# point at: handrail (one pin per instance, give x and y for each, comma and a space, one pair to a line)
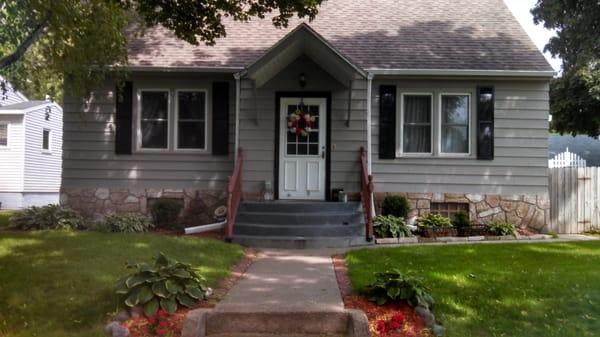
234, 194
366, 193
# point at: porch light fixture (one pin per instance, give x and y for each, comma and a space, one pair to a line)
302, 80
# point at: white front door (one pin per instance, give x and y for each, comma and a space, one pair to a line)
302, 148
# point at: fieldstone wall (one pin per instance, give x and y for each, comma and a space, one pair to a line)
525, 211
98, 202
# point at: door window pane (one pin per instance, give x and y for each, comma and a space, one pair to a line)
191, 124
417, 124
3, 134
455, 124
154, 119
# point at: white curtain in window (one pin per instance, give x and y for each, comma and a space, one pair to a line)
417, 124
3, 134
455, 124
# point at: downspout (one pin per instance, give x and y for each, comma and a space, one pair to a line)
237, 77
369, 135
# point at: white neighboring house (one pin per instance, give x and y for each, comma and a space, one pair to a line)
30, 151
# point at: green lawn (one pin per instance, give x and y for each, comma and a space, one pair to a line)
548, 289
59, 284
4, 215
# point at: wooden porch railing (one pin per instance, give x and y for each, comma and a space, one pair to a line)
366, 193
234, 194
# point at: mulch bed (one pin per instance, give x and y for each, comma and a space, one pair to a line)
139, 326
413, 324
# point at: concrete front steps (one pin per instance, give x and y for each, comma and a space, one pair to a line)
217, 323
299, 224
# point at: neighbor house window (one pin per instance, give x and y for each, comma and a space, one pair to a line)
454, 135
191, 120
154, 119
416, 123
46, 140
3, 134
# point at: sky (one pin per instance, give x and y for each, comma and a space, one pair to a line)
539, 34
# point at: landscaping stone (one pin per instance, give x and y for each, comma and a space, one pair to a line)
122, 316
475, 198
412, 239
451, 239
476, 238
438, 330
136, 312
489, 212
426, 315
115, 329
386, 241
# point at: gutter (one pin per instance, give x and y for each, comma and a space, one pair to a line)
237, 77
463, 72
205, 228
369, 121
186, 69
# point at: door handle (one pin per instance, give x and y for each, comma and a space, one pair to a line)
323, 154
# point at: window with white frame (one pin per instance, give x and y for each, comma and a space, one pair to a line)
191, 119
154, 119
416, 123
3, 134
454, 123
46, 140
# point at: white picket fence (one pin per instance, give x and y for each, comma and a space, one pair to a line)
566, 159
574, 199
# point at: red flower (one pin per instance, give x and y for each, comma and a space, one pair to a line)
161, 332
151, 320
381, 326
395, 325
399, 317
161, 313
163, 324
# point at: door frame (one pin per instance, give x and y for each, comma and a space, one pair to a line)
303, 94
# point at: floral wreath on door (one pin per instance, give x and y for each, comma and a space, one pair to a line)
300, 122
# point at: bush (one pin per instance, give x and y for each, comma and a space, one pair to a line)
461, 220
166, 284
46, 217
394, 285
502, 228
389, 226
126, 223
395, 205
165, 213
434, 220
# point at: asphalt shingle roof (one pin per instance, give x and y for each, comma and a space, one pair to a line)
385, 34
22, 105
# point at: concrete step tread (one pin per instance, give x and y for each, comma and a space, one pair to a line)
299, 242
295, 226
318, 213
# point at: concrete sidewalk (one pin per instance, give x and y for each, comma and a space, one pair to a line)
286, 281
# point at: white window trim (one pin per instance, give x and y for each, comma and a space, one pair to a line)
400, 127
469, 125
176, 121
49, 149
7, 146
139, 121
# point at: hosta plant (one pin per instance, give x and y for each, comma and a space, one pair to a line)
434, 220
165, 284
127, 223
395, 286
46, 217
502, 228
389, 226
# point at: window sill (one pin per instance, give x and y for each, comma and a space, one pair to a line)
46, 152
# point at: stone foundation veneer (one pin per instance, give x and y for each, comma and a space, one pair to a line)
525, 211
99, 202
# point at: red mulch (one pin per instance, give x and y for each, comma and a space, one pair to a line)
413, 324
138, 327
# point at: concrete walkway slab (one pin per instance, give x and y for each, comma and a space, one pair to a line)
286, 281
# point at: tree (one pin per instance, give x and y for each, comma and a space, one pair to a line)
575, 95
43, 42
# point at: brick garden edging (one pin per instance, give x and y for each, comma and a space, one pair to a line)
447, 239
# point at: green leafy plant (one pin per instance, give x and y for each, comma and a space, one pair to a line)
46, 217
395, 205
386, 226
165, 213
127, 223
502, 228
461, 219
396, 286
166, 284
434, 220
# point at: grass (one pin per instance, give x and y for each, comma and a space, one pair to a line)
59, 284
4, 215
517, 290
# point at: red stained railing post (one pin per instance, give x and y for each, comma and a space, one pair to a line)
234, 194
366, 193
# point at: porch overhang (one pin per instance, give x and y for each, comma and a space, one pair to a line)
303, 40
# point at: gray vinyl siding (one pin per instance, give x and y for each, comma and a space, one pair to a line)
89, 136
43, 168
257, 124
521, 144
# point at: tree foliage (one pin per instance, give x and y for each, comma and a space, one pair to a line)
43, 42
575, 96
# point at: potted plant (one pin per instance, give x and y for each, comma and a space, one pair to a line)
433, 225
462, 223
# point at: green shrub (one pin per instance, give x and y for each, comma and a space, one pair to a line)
395, 205
46, 217
389, 226
395, 286
502, 228
461, 219
166, 284
165, 213
126, 223
434, 220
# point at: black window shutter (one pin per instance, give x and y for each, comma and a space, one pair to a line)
220, 118
387, 122
124, 106
485, 123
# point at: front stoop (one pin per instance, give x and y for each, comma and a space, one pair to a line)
217, 323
